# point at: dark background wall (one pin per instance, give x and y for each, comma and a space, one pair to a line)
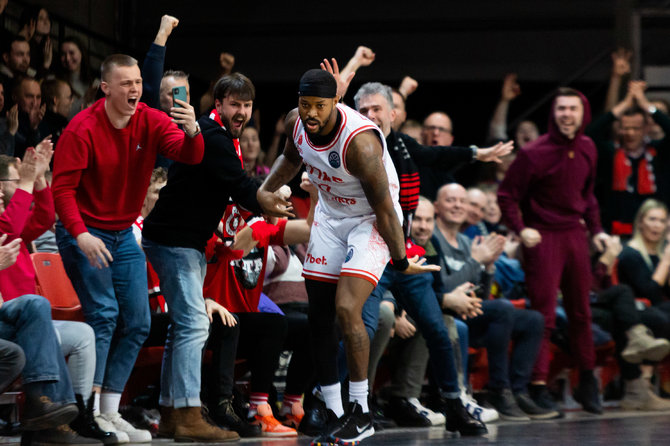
457, 50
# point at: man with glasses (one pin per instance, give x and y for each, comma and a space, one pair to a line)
437, 131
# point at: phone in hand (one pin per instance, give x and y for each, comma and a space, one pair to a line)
178, 93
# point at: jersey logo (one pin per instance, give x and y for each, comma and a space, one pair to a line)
350, 254
334, 160
138, 147
300, 140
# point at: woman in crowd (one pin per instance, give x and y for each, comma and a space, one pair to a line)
74, 68
252, 154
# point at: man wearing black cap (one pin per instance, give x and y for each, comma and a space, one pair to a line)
357, 227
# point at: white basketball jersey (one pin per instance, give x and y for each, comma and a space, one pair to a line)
340, 193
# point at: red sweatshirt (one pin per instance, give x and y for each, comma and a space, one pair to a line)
19, 220
550, 183
101, 174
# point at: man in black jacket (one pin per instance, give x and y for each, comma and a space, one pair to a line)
175, 233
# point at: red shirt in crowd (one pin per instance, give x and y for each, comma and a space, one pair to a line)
101, 173
20, 221
233, 282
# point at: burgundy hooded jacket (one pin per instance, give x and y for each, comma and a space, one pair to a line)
549, 186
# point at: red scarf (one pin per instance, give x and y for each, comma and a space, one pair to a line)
646, 182
215, 116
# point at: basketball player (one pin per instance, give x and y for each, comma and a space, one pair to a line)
357, 227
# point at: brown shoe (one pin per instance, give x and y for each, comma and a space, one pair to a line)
191, 426
42, 413
166, 426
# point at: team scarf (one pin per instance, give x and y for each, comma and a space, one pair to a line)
646, 181
213, 115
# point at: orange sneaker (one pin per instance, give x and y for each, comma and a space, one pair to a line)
294, 417
269, 424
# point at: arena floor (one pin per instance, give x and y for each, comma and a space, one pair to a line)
613, 428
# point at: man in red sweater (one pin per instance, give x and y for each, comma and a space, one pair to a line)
102, 169
547, 198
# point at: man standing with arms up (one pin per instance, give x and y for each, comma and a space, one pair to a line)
357, 224
547, 198
102, 169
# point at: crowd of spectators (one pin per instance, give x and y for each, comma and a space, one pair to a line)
570, 225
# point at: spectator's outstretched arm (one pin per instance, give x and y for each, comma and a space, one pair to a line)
637, 91
407, 86
498, 125
154, 62
363, 57
620, 69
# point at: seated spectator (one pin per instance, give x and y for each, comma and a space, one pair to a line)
9, 125
57, 97
644, 264
15, 64
632, 168
28, 97
74, 68
252, 155
474, 222
614, 309
464, 261
12, 358
35, 26
234, 280
17, 282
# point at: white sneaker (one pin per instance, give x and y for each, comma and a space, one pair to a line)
106, 426
436, 419
483, 414
134, 435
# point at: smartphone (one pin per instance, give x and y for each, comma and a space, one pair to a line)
178, 93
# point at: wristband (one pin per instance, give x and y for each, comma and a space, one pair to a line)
400, 264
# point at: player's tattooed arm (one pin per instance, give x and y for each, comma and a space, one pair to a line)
364, 161
288, 163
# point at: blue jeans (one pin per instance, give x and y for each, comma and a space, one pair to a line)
416, 296
114, 301
26, 320
182, 274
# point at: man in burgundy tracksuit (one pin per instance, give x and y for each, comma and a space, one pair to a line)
547, 198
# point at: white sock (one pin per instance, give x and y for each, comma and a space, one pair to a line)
96, 403
109, 402
333, 397
358, 392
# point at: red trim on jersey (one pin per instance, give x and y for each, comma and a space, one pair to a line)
295, 128
320, 279
360, 276
334, 141
361, 271
319, 272
346, 143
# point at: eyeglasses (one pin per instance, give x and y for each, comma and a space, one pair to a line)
432, 128
15, 180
